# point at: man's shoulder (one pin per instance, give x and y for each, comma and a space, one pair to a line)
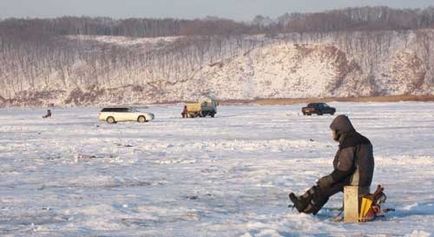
353, 140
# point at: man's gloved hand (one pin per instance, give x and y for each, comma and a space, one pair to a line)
325, 182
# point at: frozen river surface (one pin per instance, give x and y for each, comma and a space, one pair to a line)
229, 176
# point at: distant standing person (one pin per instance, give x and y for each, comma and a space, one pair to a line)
353, 165
184, 112
48, 115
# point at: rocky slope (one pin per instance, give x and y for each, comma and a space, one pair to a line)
118, 70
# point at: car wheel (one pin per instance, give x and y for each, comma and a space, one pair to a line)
142, 119
111, 120
212, 115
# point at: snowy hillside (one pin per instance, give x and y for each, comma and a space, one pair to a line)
229, 176
90, 70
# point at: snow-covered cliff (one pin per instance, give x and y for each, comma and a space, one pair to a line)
77, 70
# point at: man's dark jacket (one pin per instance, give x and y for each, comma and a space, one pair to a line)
354, 161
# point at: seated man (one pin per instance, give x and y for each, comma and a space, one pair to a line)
353, 165
47, 115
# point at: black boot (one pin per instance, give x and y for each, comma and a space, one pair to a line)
316, 202
300, 203
315, 205
310, 202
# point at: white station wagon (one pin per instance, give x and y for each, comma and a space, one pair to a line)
123, 114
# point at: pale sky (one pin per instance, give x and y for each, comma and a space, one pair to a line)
233, 9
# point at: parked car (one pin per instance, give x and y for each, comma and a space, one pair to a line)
123, 114
318, 108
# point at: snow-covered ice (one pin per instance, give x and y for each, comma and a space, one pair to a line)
228, 176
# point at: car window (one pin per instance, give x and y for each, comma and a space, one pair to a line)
114, 110
108, 110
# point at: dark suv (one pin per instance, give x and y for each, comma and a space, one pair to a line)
318, 108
